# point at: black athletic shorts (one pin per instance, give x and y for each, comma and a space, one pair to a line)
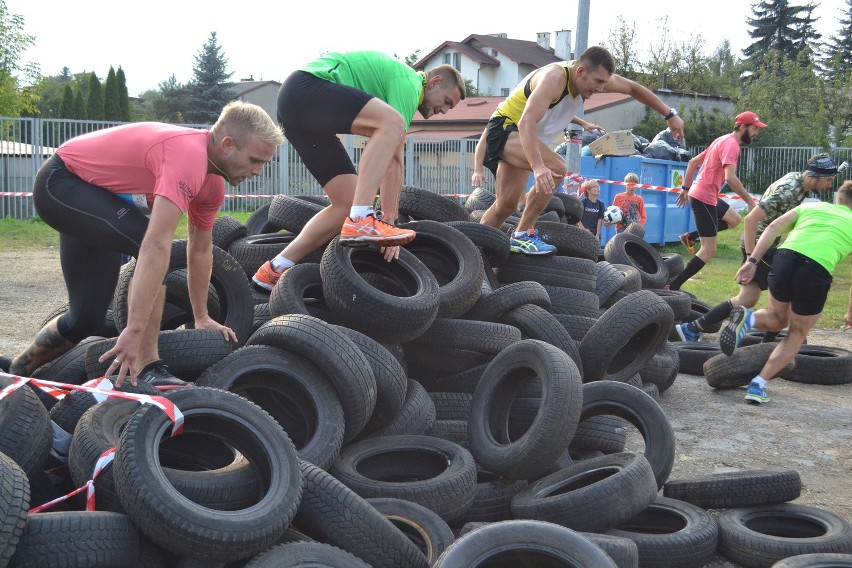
313, 112
800, 281
707, 216
495, 141
764, 265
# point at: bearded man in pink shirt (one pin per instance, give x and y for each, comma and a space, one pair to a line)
718, 166
123, 190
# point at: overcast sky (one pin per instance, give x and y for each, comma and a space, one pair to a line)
155, 39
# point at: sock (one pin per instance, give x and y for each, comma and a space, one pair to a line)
692, 268
717, 313
279, 263
357, 212
761, 382
521, 233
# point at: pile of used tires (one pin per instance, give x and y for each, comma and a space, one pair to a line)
458, 407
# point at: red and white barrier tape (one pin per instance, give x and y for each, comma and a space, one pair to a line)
29, 194
579, 178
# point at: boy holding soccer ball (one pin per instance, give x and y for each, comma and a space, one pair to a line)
632, 205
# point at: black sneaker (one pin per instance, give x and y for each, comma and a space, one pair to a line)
157, 374
5, 363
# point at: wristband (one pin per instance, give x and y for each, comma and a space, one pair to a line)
685, 187
752, 260
672, 114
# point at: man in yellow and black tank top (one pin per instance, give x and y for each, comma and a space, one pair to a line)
519, 135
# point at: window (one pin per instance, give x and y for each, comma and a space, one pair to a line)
447, 58
493, 53
457, 61
504, 92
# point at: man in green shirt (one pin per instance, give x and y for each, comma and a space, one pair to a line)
370, 94
818, 238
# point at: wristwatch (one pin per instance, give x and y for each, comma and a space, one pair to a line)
685, 187
672, 113
752, 260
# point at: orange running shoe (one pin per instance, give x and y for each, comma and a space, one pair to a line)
266, 277
370, 230
688, 243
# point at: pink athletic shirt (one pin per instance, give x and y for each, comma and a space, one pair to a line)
150, 158
723, 151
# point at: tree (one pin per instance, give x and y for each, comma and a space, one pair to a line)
79, 106
725, 70
111, 111
412, 58
622, 41
95, 100
168, 104
208, 90
791, 100
123, 97
13, 42
471, 91
838, 49
66, 107
780, 29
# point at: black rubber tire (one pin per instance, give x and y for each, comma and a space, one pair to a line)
609, 280
431, 472
630, 403
643, 321
607, 434
95, 539
414, 418
332, 513
25, 425
626, 248
302, 554
678, 301
563, 271
592, 495
698, 309
451, 405
67, 412
693, 355
69, 368
355, 303
472, 335
576, 326
573, 207
455, 262
422, 204
425, 528
819, 365
299, 291
479, 199
253, 250
493, 242
489, 307
523, 543
531, 454
343, 362
661, 369
258, 222
723, 372
291, 213
573, 302
632, 277
14, 503
292, 389
186, 352
737, 489
636, 229
760, 536
671, 534
569, 240
492, 500
817, 560
390, 375
227, 229
184, 527
674, 263
537, 323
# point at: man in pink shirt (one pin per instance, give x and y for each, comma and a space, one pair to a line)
123, 190
718, 166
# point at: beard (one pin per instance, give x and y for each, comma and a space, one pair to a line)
424, 110
746, 138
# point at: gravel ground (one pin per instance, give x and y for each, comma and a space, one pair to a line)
805, 427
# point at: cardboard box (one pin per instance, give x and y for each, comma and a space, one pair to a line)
616, 143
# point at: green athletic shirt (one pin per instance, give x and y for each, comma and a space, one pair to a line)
375, 73
823, 233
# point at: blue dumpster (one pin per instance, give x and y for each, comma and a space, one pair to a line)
666, 221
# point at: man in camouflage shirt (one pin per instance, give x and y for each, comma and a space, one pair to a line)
783, 195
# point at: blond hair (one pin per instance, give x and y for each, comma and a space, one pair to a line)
240, 119
631, 178
584, 187
844, 194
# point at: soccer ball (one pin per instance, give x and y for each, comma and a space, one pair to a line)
612, 214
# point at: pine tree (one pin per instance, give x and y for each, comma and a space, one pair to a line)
79, 112
781, 30
838, 49
95, 100
66, 107
208, 90
111, 111
123, 97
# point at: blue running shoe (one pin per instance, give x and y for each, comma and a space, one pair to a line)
685, 334
734, 331
530, 244
756, 394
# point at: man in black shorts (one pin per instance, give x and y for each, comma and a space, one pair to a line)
124, 190
817, 239
783, 195
718, 166
367, 93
